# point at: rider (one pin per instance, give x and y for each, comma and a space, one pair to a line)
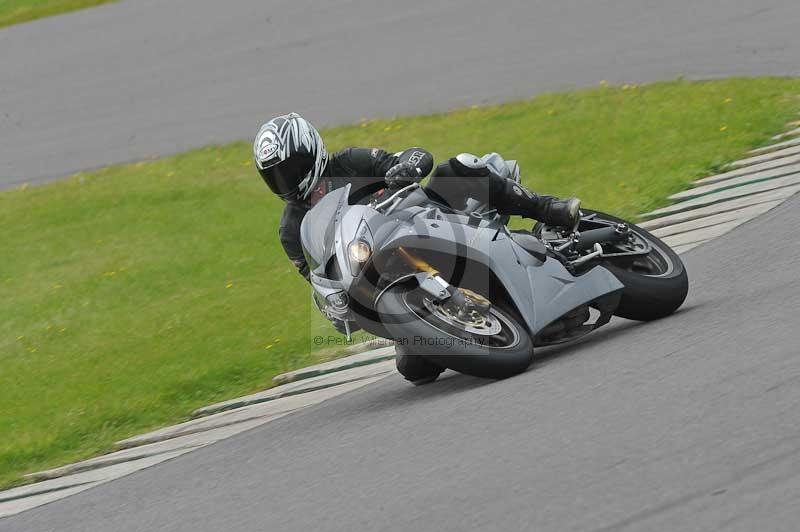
292, 160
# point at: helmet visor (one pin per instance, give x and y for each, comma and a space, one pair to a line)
285, 177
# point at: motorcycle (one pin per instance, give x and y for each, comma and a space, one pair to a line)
458, 289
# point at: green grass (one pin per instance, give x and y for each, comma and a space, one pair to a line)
18, 11
132, 295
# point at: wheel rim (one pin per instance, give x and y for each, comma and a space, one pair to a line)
492, 330
657, 263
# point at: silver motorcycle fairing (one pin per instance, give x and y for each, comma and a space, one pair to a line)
318, 227
542, 291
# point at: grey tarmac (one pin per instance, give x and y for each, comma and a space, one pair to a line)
141, 78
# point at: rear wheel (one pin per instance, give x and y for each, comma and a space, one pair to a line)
656, 284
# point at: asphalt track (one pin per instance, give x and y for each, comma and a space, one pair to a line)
688, 423
140, 78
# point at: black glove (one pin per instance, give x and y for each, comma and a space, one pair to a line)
402, 174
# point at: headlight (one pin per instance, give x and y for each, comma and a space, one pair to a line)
359, 251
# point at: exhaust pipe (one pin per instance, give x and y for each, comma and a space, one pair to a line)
588, 239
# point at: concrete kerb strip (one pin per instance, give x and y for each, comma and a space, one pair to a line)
767, 157
703, 234
747, 170
791, 133
187, 442
23, 498
216, 421
735, 182
789, 183
744, 213
353, 361
275, 407
733, 205
776, 147
306, 385
683, 249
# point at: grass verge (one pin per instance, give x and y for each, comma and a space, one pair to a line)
132, 295
18, 11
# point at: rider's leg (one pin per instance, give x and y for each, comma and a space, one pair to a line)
509, 197
454, 181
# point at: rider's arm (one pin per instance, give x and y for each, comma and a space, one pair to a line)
374, 162
365, 168
289, 233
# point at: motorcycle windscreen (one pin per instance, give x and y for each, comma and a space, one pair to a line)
318, 228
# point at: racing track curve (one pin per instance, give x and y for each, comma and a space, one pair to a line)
139, 78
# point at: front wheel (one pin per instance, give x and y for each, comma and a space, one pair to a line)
491, 345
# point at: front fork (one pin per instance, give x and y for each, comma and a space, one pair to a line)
432, 283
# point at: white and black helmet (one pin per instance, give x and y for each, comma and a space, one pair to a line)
290, 156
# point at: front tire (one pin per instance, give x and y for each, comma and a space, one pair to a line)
420, 333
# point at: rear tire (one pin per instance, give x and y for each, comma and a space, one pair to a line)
649, 297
